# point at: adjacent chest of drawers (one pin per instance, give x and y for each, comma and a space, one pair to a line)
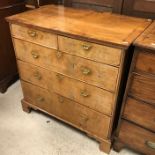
137, 124
8, 67
71, 64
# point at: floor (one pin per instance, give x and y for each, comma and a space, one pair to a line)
39, 134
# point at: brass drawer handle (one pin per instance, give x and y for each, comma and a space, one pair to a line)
85, 70
40, 99
37, 76
86, 47
150, 144
32, 33
59, 76
35, 55
85, 93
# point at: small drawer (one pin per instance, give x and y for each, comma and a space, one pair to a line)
145, 62
143, 88
98, 74
137, 138
99, 53
33, 74
67, 110
33, 53
90, 96
34, 35
134, 110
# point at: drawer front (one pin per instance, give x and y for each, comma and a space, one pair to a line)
137, 138
35, 36
67, 110
143, 88
144, 6
33, 74
91, 72
141, 113
90, 96
91, 51
145, 62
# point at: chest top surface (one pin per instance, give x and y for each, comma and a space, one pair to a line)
86, 24
147, 38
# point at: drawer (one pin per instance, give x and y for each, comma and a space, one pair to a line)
137, 138
103, 54
35, 36
145, 62
141, 113
143, 88
90, 96
67, 110
98, 74
144, 6
33, 74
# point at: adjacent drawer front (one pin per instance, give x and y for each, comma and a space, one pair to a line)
90, 96
145, 62
140, 113
35, 36
67, 110
143, 88
91, 72
144, 5
33, 74
137, 138
91, 51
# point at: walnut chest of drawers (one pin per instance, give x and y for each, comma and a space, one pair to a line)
137, 124
71, 64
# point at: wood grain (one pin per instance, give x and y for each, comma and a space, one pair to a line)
35, 36
67, 110
146, 39
143, 88
85, 70
136, 137
139, 8
145, 62
140, 113
103, 54
90, 96
105, 28
33, 74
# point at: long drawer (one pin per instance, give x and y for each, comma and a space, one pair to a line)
98, 74
145, 62
137, 138
140, 113
67, 110
90, 96
143, 88
35, 36
99, 53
